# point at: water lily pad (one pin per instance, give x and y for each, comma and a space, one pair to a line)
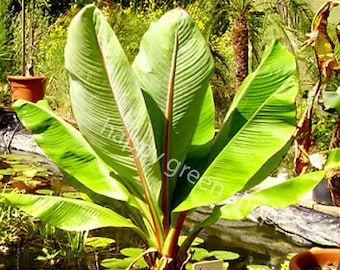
30, 172
258, 267
8, 171
132, 252
116, 263
14, 157
97, 242
224, 255
200, 253
47, 192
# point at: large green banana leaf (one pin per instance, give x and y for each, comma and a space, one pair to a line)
108, 104
175, 83
259, 123
65, 146
109, 107
333, 160
332, 100
205, 130
146, 137
279, 195
68, 214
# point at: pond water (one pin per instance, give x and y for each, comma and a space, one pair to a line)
256, 243
25, 257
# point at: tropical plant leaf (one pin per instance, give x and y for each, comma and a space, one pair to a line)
268, 167
68, 214
110, 109
272, 196
333, 160
260, 122
108, 104
332, 100
294, 189
175, 85
65, 146
205, 130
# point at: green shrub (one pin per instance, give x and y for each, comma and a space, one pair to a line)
51, 63
4, 40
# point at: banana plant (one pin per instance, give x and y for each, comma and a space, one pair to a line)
146, 153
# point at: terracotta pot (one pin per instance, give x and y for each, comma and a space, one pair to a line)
318, 257
28, 88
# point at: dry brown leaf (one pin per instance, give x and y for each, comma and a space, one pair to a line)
321, 42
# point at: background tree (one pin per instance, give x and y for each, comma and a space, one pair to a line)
254, 22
